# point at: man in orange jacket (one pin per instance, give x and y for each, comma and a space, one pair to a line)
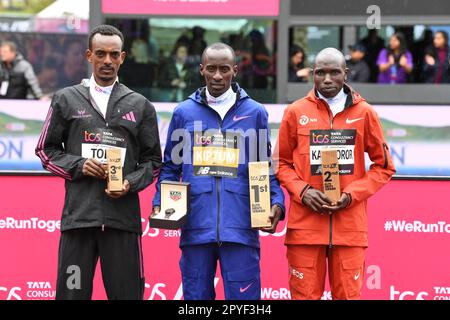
332, 114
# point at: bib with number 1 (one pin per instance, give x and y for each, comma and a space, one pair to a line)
96, 141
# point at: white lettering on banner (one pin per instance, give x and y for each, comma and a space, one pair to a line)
416, 226
11, 293
32, 223
172, 233
36, 290
154, 232
441, 293
156, 292
442, 290
40, 290
273, 294
406, 295
147, 231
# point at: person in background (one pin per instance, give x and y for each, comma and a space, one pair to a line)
396, 62
17, 77
297, 70
419, 50
359, 71
261, 59
437, 59
373, 43
74, 63
49, 76
178, 74
137, 70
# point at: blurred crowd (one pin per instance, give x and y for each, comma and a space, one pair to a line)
399, 61
37, 68
178, 71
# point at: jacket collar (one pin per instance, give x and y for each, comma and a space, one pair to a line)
200, 95
118, 92
353, 97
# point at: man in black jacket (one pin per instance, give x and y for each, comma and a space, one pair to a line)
17, 77
83, 121
359, 71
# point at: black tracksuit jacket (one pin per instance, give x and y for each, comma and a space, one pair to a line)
70, 116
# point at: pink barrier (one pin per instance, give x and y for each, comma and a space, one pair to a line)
407, 258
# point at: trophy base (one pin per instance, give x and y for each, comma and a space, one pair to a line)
174, 222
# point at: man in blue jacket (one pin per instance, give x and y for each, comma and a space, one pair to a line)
219, 226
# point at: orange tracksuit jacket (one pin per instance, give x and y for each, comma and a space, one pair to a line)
298, 144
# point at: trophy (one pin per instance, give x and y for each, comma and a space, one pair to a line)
330, 174
114, 160
175, 202
259, 182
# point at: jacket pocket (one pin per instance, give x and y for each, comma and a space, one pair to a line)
303, 153
303, 140
236, 204
200, 214
353, 275
245, 282
301, 272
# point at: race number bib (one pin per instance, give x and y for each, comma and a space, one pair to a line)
216, 154
96, 141
342, 140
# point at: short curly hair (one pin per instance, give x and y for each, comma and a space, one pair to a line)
106, 30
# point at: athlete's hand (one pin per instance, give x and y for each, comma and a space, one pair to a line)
341, 204
275, 215
316, 200
155, 211
94, 168
119, 194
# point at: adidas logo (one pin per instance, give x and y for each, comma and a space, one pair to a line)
129, 116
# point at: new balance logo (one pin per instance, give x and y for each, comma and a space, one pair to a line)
129, 116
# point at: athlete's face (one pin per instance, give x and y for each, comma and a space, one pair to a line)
106, 56
218, 69
329, 75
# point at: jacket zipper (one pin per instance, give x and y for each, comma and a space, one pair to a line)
218, 182
219, 179
331, 216
331, 117
95, 107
